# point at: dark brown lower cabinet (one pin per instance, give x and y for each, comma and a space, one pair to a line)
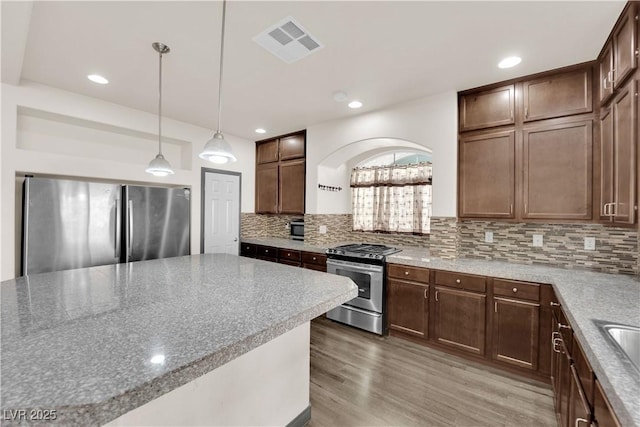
602, 411
314, 261
515, 332
579, 411
408, 307
459, 319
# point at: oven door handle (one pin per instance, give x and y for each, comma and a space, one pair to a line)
351, 266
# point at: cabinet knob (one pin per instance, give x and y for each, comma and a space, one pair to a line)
457, 280
314, 258
514, 290
266, 251
406, 273
288, 254
554, 304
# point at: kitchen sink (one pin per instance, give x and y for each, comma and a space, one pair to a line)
625, 338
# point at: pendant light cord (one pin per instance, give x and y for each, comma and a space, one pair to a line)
160, 107
224, 12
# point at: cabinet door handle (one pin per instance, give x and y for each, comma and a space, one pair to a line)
436, 295
426, 293
495, 306
614, 209
511, 114
555, 344
604, 84
526, 112
554, 304
610, 74
511, 209
581, 420
561, 326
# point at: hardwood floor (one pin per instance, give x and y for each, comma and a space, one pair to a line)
360, 379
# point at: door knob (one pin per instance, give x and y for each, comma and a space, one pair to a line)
235, 239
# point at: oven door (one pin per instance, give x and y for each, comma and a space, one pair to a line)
368, 278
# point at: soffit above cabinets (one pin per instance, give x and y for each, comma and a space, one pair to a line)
380, 52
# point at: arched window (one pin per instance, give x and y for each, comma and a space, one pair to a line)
392, 193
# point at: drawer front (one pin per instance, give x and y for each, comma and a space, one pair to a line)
406, 272
462, 281
315, 267
311, 258
267, 252
289, 255
522, 290
289, 262
248, 250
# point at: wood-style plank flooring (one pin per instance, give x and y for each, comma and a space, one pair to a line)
360, 379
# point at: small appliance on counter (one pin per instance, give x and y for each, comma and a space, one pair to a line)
296, 228
365, 265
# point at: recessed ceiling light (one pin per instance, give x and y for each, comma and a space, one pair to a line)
509, 62
355, 104
260, 130
97, 78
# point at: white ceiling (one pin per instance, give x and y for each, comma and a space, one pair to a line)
380, 52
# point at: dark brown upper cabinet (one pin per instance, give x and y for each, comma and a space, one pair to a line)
280, 174
619, 58
557, 170
291, 187
618, 145
605, 65
625, 47
267, 151
486, 175
488, 108
292, 147
558, 95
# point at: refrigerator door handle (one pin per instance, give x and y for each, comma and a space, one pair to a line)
130, 229
117, 227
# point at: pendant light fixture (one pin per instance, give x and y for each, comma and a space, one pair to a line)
217, 150
159, 166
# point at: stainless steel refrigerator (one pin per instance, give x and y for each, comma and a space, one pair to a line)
74, 224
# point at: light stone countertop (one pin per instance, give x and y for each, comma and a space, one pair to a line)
585, 296
81, 341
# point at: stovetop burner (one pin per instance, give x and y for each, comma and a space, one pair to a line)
362, 250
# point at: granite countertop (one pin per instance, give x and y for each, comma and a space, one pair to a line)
81, 341
585, 297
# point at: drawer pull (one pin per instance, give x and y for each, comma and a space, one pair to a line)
266, 251
426, 293
406, 273
555, 344
314, 258
457, 280
561, 326
514, 290
288, 254
581, 420
554, 304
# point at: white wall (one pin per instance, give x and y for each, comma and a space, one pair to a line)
54, 132
429, 122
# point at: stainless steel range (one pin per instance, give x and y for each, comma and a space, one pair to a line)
365, 265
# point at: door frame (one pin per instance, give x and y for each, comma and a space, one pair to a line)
203, 173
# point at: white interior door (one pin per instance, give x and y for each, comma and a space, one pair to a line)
221, 213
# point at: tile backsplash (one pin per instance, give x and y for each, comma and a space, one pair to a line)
617, 249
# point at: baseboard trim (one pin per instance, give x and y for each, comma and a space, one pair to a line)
302, 418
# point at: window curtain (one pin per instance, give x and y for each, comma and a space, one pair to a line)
392, 198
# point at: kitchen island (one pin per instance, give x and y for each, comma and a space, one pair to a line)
99, 345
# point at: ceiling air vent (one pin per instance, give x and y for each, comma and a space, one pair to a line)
288, 40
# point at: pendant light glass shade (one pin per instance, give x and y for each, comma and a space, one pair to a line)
217, 149
159, 166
